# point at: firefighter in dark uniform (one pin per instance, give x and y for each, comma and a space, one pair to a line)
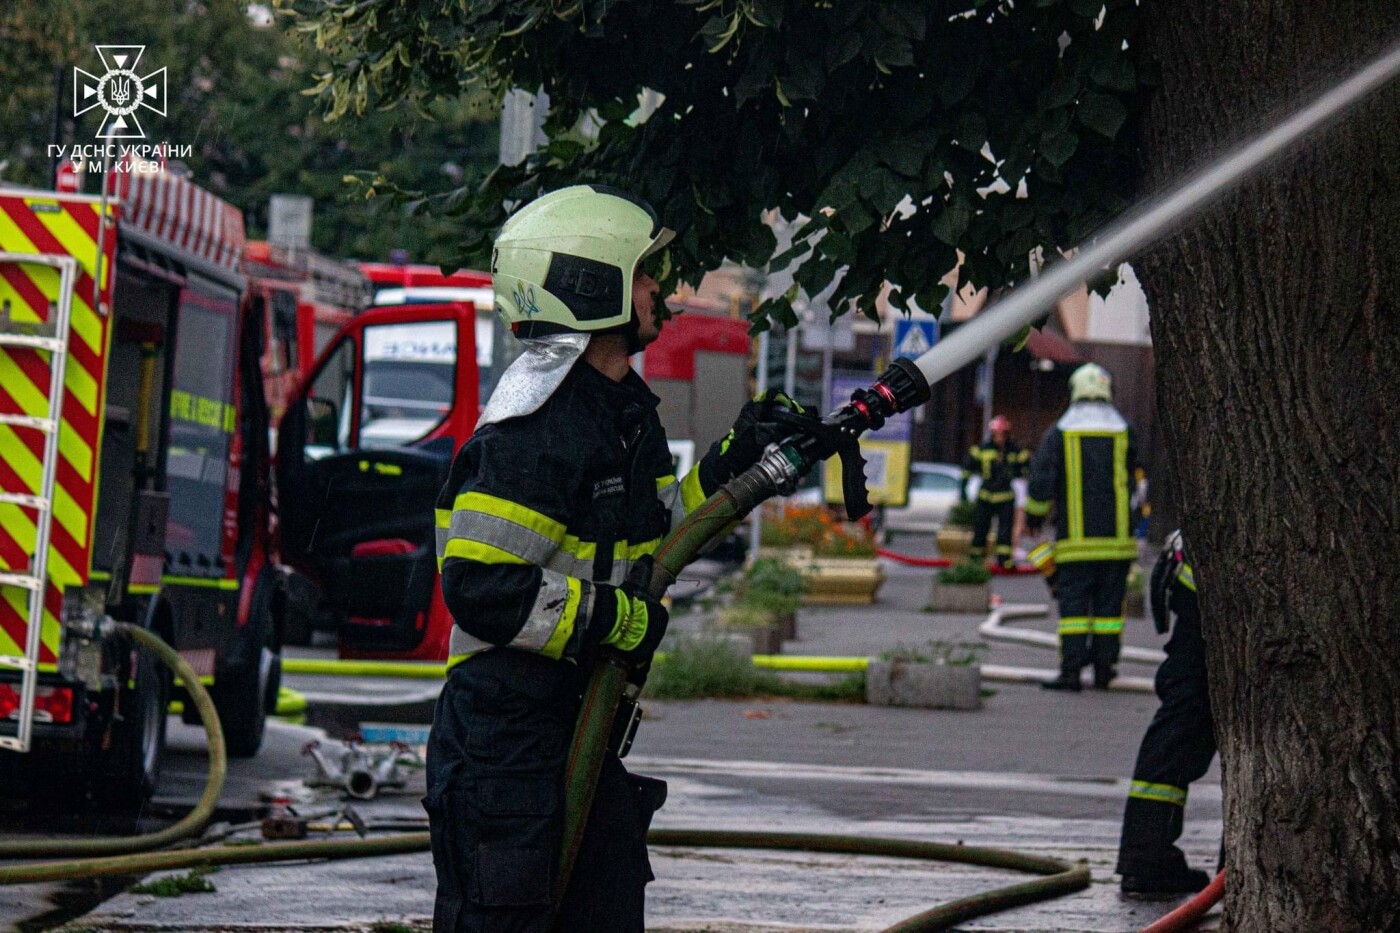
997, 461
1178, 746
545, 530
1082, 470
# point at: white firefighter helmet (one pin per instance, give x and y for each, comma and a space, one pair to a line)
565, 261
1090, 381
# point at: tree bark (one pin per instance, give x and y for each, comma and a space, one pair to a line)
1276, 323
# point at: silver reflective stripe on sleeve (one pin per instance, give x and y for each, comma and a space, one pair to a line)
529, 546
544, 614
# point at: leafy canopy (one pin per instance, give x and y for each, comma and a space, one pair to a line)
236, 84
902, 132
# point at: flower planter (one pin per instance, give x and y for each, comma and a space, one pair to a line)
760, 639
963, 598
954, 543
786, 624
924, 685
796, 554
842, 581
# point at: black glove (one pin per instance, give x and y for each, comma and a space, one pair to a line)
627, 618
757, 426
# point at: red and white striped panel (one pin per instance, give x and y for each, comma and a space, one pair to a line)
181, 213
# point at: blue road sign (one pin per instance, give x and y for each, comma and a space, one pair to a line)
914, 338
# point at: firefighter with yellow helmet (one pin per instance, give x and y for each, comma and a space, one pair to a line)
1080, 478
545, 531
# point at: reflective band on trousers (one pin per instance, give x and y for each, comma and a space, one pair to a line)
1074, 625
1162, 793
1108, 626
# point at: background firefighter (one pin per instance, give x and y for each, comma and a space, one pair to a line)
1082, 470
1179, 744
998, 461
545, 530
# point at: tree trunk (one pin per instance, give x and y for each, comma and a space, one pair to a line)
1276, 324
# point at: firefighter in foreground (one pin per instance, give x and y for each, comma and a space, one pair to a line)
998, 460
545, 530
1081, 470
1178, 746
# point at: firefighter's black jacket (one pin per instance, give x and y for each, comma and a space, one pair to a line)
539, 511
1082, 470
997, 466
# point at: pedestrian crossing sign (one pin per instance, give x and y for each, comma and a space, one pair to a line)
913, 339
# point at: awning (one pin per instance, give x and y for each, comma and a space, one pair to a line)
1048, 345
180, 213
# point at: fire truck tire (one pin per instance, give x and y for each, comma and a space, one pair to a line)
127, 775
244, 699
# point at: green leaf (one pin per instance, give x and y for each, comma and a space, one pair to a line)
1057, 148
972, 132
1116, 74
1087, 8
1061, 93
1102, 114
951, 223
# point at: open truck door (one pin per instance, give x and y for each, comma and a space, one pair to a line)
362, 451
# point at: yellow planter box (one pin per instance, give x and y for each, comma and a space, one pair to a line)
842, 581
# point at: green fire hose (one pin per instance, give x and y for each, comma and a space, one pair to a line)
191, 824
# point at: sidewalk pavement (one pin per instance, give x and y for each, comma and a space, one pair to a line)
1040, 772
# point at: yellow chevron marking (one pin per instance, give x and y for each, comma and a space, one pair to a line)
30, 398
20, 459
86, 324
12, 238
20, 529
73, 237
70, 515
76, 451
18, 601
84, 388
51, 635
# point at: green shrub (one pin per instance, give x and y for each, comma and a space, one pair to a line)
772, 585
960, 515
744, 616
971, 571
697, 668
702, 667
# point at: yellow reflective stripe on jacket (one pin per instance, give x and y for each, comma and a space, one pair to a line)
996, 497
510, 511
1082, 549
1186, 576
1108, 626
1074, 488
568, 619
480, 552
1038, 507
1162, 793
1122, 526
1041, 554
1074, 625
692, 493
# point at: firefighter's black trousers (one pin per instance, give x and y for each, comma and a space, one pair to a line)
982, 514
495, 805
1177, 749
1090, 595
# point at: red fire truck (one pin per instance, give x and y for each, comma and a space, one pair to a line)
134, 480
305, 298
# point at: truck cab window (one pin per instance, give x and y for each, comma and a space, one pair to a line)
410, 375
329, 405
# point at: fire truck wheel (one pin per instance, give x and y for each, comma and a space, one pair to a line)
129, 771
243, 702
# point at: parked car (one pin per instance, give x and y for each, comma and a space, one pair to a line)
933, 490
